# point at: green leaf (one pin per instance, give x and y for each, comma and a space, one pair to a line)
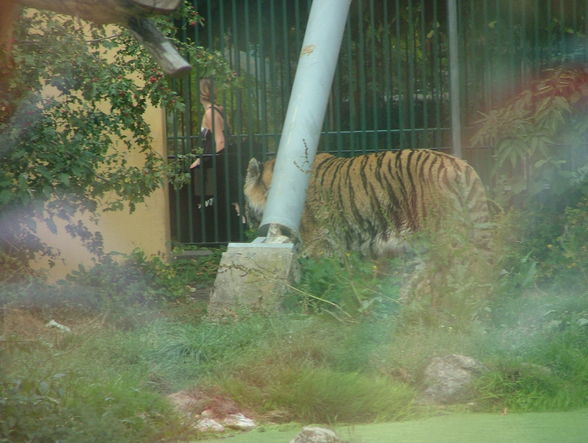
64, 178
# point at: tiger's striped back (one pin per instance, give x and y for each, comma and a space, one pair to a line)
371, 202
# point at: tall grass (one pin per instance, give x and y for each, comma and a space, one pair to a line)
91, 387
321, 395
350, 346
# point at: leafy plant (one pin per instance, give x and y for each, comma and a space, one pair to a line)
187, 353
75, 117
316, 395
573, 244
43, 402
519, 387
126, 288
121, 280
37, 405
538, 137
346, 287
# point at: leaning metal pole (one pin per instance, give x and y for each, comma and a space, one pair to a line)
254, 276
454, 79
305, 115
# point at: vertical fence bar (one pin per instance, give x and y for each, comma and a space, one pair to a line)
337, 104
352, 111
388, 90
537, 42
454, 78
375, 78
437, 93
223, 100
286, 78
273, 66
411, 78
401, 91
362, 75
424, 79
512, 81
486, 74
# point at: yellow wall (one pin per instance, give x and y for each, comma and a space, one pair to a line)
146, 228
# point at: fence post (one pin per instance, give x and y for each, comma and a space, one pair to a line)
454, 95
305, 115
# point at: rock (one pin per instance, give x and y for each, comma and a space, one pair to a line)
184, 402
311, 434
209, 425
239, 422
448, 379
54, 324
210, 411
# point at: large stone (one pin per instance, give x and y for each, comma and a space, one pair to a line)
449, 379
210, 411
209, 425
312, 434
239, 422
252, 277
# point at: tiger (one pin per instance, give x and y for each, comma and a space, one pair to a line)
373, 203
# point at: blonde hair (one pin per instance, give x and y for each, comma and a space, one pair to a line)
207, 91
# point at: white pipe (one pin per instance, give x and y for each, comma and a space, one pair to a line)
306, 112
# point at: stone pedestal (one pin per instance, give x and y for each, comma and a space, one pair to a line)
252, 277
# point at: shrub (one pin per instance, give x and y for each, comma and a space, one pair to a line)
78, 392
538, 354
346, 287
66, 152
322, 395
186, 353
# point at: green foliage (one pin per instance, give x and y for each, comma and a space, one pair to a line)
126, 288
186, 353
522, 387
554, 380
89, 388
549, 247
136, 279
317, 395
538, 138
453, 273
346, 287
77, 116
196, 270
43, 402
537, 353
572, 250
362, 361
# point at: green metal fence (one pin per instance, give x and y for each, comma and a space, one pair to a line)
391, 88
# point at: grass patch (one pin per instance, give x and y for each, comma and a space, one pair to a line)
90, 387
322, 395
346, 349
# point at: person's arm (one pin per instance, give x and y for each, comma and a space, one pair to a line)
218, 129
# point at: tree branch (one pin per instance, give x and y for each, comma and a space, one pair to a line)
160, 47
105, 11
128, 13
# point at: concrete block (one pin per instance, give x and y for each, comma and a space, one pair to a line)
252, 277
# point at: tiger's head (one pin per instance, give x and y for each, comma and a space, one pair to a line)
257, 185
